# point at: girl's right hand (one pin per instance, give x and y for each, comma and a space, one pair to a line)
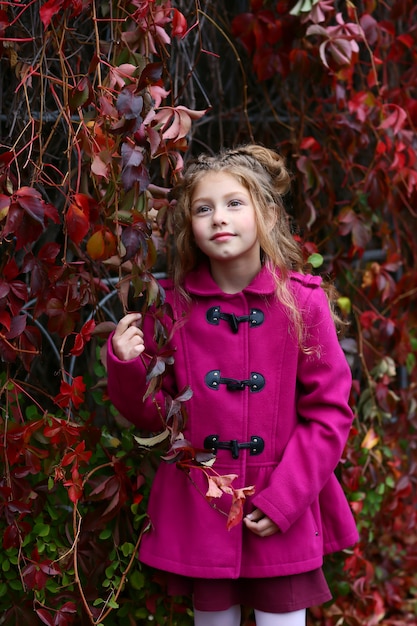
127, 340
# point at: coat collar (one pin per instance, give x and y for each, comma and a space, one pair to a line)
199, 282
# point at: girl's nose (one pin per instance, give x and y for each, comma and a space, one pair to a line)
219, 216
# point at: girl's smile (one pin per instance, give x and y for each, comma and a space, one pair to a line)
223, 220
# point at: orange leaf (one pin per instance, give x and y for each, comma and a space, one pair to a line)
101, 245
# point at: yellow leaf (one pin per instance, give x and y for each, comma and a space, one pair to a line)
151, 441
370, 440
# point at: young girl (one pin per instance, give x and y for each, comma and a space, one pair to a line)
270, 397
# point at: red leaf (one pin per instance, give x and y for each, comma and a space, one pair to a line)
236, 510
4, 205
31, 201
49, 10
11, 537
179, 24
396, 120
71, 393
150, 75
75, 486
17, 326
45, 616
83, 337
77, 222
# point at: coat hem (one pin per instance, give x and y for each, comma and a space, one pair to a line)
341, 544
214, 571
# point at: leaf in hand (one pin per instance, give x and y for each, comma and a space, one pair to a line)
236, 510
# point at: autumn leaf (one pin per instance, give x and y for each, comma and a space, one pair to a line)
396, 120
121, 75
176, 122
75, 485
101, 245
81, 95
352, 223
179, 24
149, 442
76, 456
101, 163
236, 510
71, 393
213, 490
129, 104
370, 440
31, 201
48, 10
134, 170
83, 337
219, 485
77, 222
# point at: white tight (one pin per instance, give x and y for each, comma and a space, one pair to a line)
295, 618
231, 617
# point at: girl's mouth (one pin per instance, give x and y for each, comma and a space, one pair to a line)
222, 236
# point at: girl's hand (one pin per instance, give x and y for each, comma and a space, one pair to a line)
260, 524
127, 340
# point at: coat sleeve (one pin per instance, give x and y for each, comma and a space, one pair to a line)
127, 385
323, 420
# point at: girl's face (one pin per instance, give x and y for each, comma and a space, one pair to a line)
223, 220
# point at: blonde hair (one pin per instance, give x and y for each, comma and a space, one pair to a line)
263, 173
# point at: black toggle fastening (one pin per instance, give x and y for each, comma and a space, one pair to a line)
255, 446
214, 315
255, 383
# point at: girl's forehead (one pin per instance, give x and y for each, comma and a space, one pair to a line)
218, 179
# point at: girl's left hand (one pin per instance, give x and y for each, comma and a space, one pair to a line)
260, 524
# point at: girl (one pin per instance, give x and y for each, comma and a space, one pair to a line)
270, 398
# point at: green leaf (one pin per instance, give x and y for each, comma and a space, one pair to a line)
345, 305
137, 580
41, 530
16, 585
315, 259
127, 549
106, 533
112, 603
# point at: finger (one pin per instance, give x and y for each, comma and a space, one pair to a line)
255, 515
126, 322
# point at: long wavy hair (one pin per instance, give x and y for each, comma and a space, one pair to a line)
263, 173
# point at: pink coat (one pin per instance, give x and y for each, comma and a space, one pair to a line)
296, 402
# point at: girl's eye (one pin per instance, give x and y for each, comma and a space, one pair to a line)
202, 209
235, 203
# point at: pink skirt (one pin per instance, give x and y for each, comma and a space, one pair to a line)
281, 594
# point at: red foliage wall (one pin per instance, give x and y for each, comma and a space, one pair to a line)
100, 105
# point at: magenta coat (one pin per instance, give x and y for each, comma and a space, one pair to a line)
296, 402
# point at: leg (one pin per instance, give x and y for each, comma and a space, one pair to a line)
230, 617
295, 618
